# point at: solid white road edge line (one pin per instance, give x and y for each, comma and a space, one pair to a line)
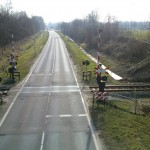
88, 117
33, 67
42, 141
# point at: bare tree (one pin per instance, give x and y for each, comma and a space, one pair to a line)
111, 27
16, 23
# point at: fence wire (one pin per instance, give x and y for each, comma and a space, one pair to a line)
135, 102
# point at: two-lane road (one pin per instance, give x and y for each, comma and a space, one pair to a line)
48, 113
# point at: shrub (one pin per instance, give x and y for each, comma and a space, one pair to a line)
145, 109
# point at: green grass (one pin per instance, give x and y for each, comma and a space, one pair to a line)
116, 123
78, 57
138, 34
120, 128
27, 55
27, 58
141, 34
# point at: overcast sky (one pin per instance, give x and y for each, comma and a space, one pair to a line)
68, 10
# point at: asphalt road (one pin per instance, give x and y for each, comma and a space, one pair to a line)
48, 113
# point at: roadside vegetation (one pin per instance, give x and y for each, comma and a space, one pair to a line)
26, 57
141, 35
17, 25
21, 32
26, 53
120, 127
116, 122
78, 57
130, 58
125, 45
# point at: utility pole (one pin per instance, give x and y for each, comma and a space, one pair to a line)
43, 37
12, 43
34, 45
99, 49
34, 38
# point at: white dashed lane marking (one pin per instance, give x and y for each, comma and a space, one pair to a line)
41, 74
48, 116
65, 115
82, 115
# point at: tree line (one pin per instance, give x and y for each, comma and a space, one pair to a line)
86, 30
17, 24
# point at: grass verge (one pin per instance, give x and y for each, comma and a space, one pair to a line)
26, 53
116, 123
120, 128
78, 57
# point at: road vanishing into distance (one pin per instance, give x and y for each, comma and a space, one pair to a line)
48, 113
